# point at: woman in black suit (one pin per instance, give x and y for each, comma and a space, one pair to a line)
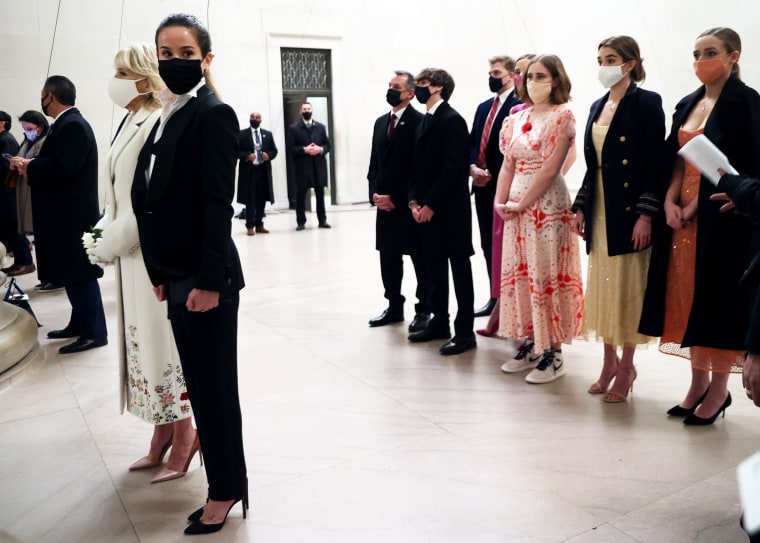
182, 195
621, 192
694, 299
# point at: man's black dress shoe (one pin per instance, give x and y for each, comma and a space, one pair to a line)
430, 333
419, 322
63, 333
387, 317
458, 345
324, 225
82, 345
241, 215
486, 309
300, 227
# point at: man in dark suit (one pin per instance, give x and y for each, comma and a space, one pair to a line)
8, 210
485, 155
64, 183
440, 202
256, 150
308, 142
396, 232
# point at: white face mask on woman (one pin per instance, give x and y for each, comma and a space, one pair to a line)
609, 75
31, 135
123, 91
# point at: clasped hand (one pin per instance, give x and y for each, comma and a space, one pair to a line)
383, 202
508, 211
312, 149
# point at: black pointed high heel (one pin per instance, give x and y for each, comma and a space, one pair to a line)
694, 420
678, 411
198, 527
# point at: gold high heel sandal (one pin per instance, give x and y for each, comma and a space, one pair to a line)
167, 474
614, 397
146, 462
597, 388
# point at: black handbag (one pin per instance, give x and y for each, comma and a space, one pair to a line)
15, 296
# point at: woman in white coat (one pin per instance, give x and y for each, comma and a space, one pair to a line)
153, 385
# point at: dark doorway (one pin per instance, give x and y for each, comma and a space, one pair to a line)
306, 77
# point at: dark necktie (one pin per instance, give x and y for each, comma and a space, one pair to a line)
487, 132
426, 121
391, 125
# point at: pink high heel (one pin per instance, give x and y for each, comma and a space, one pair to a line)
146, 462
167, 474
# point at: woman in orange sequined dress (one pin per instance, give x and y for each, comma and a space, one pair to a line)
541, 284
706, 311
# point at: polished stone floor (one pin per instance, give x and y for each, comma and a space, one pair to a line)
353, 435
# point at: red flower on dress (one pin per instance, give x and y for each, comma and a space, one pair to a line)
183, 396
526, 127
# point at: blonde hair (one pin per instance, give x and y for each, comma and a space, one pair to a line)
141, 59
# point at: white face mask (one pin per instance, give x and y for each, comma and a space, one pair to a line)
609, 75
123, 91
539, 92
31, 135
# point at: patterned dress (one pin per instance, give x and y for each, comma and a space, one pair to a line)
616, 285
541, 282
680, 284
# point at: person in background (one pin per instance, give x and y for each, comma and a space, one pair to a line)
621, 193
486, 157
255, 188
694, 298
308, 142
64, 183
22, 256
152, 382
542, 287
182, 198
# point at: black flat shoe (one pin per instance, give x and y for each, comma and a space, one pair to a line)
459, 345
678, 411
430, 333
387, 317
198, 527
486, 309
419, 322
694, 420
83, 345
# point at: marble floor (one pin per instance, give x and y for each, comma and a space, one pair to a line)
354, 435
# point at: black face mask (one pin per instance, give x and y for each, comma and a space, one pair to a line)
422, 94
255, 124
43, 106
393, 97
494, 83
180, 74
306, 115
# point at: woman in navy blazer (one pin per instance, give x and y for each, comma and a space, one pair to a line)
708, 320
620, 195
182, 198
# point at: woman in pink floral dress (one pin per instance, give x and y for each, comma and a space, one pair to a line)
541, 282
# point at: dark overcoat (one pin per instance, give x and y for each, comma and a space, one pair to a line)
246, 168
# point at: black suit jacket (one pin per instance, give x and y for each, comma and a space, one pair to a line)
632, 172
725, 241
310, 170
246, 168
494, 156
184, 213
64, 186
390, 167
440, 173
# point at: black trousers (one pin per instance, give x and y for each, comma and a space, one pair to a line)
207, 346
302, 191
87, 319
484, 197
256, 199
461, 273
392, 273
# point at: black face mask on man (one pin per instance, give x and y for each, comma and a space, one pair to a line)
255, 124
423, 94
494, 83
306, 115
393, 97
45, 106
180, 74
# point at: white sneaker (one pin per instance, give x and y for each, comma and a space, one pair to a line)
550, 368
523, 360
